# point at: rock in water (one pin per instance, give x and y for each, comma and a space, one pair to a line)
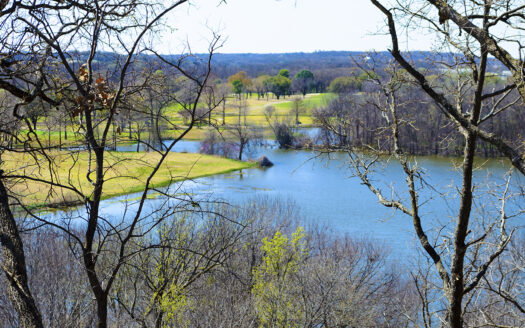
264, 161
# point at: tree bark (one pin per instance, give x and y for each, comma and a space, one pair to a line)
14, 266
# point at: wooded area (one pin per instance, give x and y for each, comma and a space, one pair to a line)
81, 80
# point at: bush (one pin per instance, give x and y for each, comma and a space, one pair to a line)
283, 134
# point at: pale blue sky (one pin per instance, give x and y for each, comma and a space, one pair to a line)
270, 26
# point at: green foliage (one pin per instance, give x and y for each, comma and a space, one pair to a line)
172, 302
492, 80
304, 81
279, 85
273, 289
345, 84
368, 75
304, 75
238, 86
284, 72
169, 297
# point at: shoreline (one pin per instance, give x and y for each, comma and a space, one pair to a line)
178, 167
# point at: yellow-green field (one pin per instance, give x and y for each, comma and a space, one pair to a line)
254, 112
254, 116
126, 172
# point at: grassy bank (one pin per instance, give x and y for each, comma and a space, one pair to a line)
126, 173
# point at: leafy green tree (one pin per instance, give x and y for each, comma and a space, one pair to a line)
169, 298
284, 72
369, 75
238, 87
279, 85
344, 84
273, 289
304, 81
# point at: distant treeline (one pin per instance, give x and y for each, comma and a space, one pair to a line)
325, 65
359, 118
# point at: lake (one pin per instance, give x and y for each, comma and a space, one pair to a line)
327, 195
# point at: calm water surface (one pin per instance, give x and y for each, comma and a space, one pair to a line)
327, 195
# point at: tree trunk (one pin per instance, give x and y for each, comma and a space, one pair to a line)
209, 114
15, 267
129, 127
159, 320
59, 135
102, 311
457, 269
88, 253
114, 138
224, 112
241, 148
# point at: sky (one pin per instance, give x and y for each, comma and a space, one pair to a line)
277, 26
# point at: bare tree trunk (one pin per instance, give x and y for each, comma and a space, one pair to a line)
102, 311
240, 113
129, 126
14, 266
241, 148
114, 138
224, 111
210, 107
138, 140
59, 134
89, 256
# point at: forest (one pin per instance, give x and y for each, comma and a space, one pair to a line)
144, 189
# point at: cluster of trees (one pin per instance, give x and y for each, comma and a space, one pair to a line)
233, 142
279, 85
326, 65
260, 270
349, 84
462, 254
40, 69
354, 118
263, 269
184, 261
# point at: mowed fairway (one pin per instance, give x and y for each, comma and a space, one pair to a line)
125, 172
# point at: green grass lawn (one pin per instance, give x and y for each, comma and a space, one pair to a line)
254, 116
126, 172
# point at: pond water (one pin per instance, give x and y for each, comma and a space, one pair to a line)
327, 195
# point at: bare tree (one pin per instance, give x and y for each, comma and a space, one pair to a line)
59, 75
297, 108
464, 256
244, 136
224, 92
212, 98
481, 23
489, 14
